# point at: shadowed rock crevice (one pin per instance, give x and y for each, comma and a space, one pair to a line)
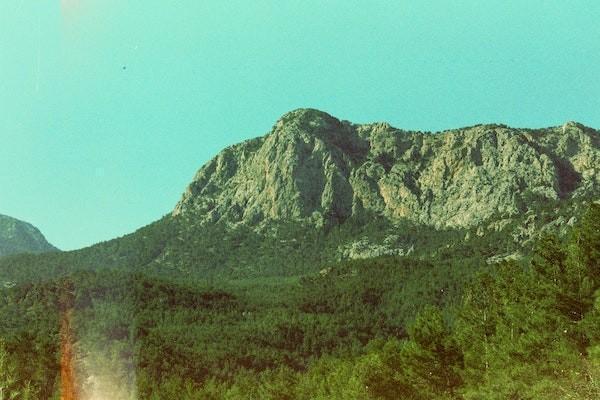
568, 178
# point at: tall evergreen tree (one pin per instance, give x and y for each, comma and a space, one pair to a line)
8, 375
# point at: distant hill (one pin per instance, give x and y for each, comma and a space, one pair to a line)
21, 237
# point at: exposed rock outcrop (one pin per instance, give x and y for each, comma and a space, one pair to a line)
314, 168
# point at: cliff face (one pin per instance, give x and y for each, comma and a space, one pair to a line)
314, 168
20, 237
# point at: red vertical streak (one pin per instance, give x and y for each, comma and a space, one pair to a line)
67, 370
68, 388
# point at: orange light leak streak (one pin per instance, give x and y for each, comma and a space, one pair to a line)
68, 390
67, 370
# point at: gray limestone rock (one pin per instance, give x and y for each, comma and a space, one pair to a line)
314, 168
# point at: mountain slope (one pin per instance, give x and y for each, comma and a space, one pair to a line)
20, 237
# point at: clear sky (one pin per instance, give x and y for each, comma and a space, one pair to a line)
108, 107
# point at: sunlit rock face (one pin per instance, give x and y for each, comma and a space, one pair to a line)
314, 168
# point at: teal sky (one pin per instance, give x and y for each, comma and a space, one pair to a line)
108, 107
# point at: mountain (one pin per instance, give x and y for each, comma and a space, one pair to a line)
314, 168
316, 190
20, 237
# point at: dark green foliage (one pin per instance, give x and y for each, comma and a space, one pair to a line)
29, 340
382, 328
525, 332
182, 250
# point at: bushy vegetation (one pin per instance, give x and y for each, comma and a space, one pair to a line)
179, 249
443, 327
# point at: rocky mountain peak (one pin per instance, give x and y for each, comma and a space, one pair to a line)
307, 120
312, 126
300, 170
315, 168
573, 125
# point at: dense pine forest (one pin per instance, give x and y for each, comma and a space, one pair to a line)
380, 328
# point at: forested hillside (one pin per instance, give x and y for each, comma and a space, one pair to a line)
382, 328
